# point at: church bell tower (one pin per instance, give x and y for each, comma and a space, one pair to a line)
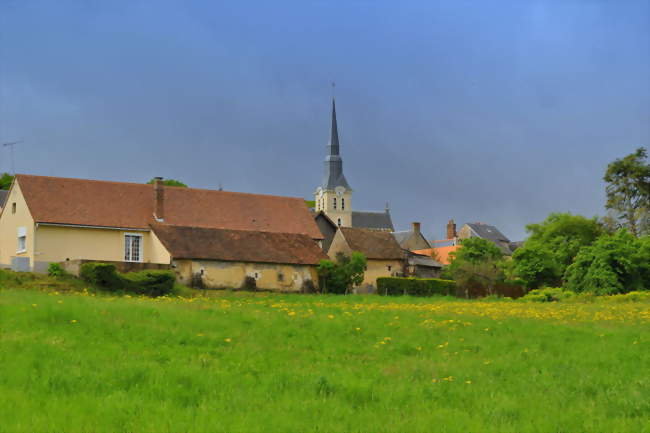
334, 195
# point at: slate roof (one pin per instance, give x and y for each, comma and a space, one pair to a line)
238, 245
488, 232
402, 236
423, 260
374, 244
372, 220
3, 197
131, 205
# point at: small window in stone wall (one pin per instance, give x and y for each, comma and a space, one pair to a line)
13, 208
280, 277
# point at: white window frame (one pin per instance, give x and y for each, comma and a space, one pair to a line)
140, 248
21, 247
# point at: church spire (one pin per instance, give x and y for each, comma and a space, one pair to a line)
333, 163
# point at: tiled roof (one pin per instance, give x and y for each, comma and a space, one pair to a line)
441, 252
238, 245
374, 244
423, 260
131, 205
372, 220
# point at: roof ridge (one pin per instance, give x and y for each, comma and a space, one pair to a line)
153, 225
182, 188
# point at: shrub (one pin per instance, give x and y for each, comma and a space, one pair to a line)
308, 286
103, 275
150, 283
56, 270
395, 286
547, 294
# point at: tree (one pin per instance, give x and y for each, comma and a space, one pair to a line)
552, 246
5, 180
169, 182
476, 262
613, 264
344, 273
628, 191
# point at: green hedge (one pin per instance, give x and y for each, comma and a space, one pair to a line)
150, 282
394, 286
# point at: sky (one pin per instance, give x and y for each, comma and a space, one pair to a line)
497, 112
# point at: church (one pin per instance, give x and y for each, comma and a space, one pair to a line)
333, 198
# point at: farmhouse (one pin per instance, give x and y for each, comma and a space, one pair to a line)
223, 258
383, 253
51, 219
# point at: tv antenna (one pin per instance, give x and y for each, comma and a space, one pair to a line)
10, 145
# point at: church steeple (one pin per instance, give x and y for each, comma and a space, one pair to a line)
333, 163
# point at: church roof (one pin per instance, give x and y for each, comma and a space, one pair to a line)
333, 175
372, 220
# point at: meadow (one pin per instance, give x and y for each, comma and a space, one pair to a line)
234, 362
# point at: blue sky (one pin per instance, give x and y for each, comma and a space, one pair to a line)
492, 111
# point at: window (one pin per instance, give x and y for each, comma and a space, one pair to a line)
22, 240
132, 248
13, 207
339, 222
334, 201
280, 277
389, 267
342, 204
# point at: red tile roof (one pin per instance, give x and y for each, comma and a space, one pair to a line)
238, 245
131, 205
442, 253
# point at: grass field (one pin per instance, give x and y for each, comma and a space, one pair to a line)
282, 363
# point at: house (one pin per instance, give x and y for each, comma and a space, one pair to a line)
412, 239
440, 253
333, 196
327, 228
384, 256
422, 266
490, 233
223, 258
53, 219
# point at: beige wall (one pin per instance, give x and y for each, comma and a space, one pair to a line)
220, 274
46, 243
379, 268
9, 224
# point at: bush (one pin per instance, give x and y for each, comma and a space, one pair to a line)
102, 275
56, 270
308, 286
395, 286
547, 294
150, 283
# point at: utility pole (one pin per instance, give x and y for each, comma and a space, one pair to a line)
10, 145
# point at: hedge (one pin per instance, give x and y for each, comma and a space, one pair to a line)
105, 276
394, 286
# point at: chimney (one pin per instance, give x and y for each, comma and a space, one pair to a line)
451, 230
159, 199
416, 227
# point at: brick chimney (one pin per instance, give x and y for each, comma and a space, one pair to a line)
416, 227
451, 230
159, 199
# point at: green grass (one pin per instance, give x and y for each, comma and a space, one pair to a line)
290, 363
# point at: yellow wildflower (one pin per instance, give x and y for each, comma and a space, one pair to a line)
227, 340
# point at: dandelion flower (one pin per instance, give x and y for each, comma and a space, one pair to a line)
469, 382
330, 316
358, 329
73, 321
227, 340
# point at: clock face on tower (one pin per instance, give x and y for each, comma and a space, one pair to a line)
339, 190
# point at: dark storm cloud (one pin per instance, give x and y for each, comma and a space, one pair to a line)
482, 111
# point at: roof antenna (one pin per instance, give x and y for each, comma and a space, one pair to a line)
11, 146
